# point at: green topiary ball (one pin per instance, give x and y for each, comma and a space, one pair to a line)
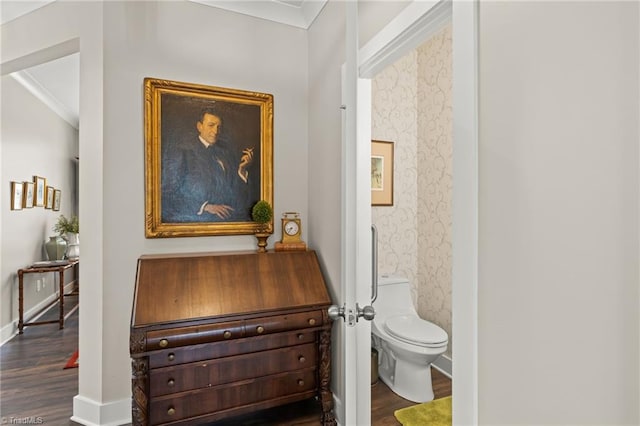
262, 212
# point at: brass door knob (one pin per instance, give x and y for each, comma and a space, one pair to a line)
227, 334
164, 343
260, 329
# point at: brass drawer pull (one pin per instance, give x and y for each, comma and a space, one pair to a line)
171, 356
260, 329
171, 411
300, 336
312, 321
164, 343
171, 382
301, 358
227, 334
300, 382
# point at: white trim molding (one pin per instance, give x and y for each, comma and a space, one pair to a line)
299, 14
46, 97
444, 365
415, 24
10, 330
92, 413
465, 212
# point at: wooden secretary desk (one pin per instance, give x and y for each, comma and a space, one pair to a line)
217, 335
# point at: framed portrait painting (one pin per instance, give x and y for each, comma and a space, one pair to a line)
208, 158
28, 191
39, 191
381, 173
16, 195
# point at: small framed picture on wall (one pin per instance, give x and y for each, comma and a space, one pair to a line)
27, 189
57, 196
381, 173
16, 195
38, 191
49, 200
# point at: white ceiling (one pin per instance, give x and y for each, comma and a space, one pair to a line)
56, 83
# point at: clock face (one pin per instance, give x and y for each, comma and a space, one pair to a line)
291, 228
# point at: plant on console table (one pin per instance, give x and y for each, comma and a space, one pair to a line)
262, 213
69, 229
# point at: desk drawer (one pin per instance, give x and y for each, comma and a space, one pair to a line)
200, 402
176, 356
208, 373
171, 338
278, 323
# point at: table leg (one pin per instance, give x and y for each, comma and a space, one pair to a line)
20, 302
61, 281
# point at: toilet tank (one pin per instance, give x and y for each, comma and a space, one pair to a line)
394, 294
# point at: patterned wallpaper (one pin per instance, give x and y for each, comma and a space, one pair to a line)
394, 118
412, 107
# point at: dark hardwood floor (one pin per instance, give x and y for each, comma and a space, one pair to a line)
34, 386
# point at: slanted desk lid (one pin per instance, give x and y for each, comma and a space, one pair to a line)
413, 329
183, 287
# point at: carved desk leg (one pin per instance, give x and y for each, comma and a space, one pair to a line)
326, 396
140, 385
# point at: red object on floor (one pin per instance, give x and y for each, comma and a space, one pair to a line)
73, 361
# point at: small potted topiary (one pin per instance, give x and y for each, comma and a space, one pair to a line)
262, 213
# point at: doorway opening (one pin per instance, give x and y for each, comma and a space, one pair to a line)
409, 29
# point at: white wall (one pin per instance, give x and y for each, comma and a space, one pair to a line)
56, 30
558, 284
175, 40
35, 142
326, 56
188, 42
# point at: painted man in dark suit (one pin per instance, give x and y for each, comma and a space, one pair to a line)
206, 178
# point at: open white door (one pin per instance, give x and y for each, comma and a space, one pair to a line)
356, 239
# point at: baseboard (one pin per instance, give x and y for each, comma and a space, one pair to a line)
443, 364
92, 413
10, 330
337, 410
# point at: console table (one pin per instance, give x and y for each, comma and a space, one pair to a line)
42, 267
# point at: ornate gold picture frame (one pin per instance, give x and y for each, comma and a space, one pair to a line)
208, 158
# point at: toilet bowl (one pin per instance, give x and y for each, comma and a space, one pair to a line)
406, 344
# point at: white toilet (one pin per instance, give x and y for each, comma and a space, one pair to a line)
406, 344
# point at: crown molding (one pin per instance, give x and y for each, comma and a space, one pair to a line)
40, 92
299, 14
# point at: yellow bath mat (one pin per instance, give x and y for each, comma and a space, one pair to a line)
432, 413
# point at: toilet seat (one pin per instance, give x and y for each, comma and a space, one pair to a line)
415, 330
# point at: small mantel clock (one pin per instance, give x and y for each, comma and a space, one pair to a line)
291, 233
